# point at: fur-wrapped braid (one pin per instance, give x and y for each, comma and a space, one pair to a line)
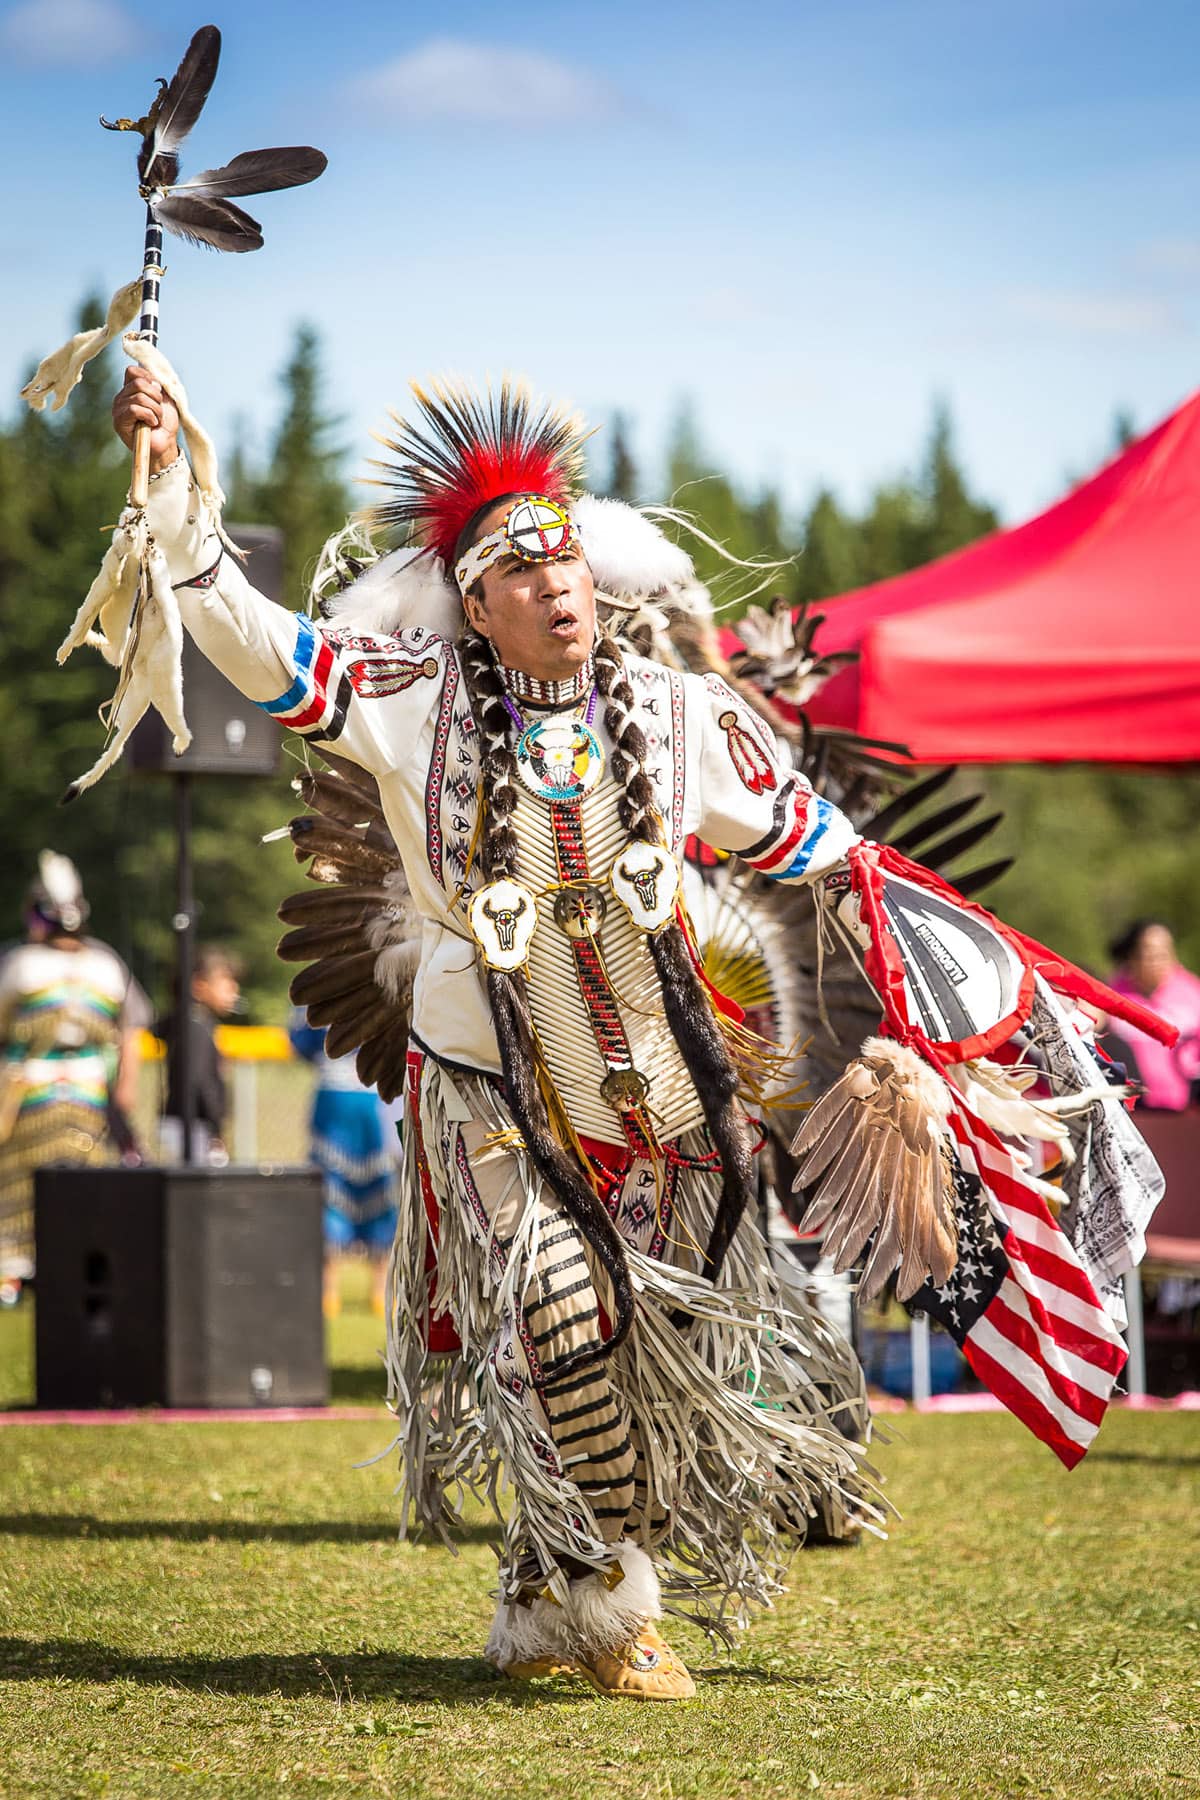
509, 998
687, 1006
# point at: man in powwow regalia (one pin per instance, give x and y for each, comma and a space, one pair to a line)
580, 1294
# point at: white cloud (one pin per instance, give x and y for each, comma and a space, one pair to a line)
462, 83
67, 33
1097, 315
1169, 256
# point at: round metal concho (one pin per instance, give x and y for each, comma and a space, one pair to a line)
559, 759
623, 1088
579, 911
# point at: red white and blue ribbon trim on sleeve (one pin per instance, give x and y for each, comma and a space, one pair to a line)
308, 706
805, 829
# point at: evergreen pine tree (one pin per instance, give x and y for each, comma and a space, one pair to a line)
893, 532
830, 562
1124, 430
622, 470
303, 491
953, 518
751, 530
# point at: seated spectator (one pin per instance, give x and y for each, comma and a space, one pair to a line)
1148, 968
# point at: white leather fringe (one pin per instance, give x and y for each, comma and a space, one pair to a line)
743, 1402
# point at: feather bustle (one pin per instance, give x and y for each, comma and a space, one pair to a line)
333, 977
347, 1032
314, 907
382, 1059
308, 942
317, 837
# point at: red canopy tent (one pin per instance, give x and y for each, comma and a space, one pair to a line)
1074, 637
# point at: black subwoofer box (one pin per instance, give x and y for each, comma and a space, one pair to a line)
179, 1287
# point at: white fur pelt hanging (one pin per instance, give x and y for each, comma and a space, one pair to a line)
131, 613
59, 373
131, 616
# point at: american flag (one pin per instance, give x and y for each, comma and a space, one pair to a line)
1019, 1304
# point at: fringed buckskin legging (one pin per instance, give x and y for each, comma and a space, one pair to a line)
505, 1238
707, 1442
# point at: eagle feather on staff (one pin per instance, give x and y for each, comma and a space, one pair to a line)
130, 605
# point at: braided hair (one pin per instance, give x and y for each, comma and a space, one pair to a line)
689, 1012
688, 1009
508, 994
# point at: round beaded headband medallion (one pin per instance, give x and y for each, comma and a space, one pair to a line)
535, 528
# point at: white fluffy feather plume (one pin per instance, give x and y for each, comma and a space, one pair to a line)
405, 588
629, 556
60, 878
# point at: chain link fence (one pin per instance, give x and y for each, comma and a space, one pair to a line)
269, 1092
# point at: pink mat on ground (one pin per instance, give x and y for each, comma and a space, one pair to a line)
190, 1415
979, 1403
286, 1415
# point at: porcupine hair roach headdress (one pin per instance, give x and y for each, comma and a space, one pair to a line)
465, 450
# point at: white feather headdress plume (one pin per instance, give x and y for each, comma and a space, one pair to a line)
58, 891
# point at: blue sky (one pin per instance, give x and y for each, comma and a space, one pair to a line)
811, 219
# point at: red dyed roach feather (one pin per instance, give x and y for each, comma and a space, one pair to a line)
465, 449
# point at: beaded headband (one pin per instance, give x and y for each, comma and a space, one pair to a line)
535, 529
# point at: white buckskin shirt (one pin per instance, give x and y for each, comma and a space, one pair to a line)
397, 705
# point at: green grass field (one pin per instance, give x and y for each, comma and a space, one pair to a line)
224, 1610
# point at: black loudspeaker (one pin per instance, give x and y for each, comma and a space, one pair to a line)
230, 735
179, 1287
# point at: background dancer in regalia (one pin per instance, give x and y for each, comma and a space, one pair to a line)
352, 1140
580, 1294
70, 1019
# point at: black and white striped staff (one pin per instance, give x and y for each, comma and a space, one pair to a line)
152, 274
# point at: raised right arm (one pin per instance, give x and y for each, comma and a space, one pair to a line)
298, 669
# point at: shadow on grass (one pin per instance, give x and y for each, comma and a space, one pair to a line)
749, 1676
372, 1675
358, 1675
1148, 1458
238, 1531
357, 1386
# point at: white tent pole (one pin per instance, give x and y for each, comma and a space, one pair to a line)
1135, 1372
922, 1386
